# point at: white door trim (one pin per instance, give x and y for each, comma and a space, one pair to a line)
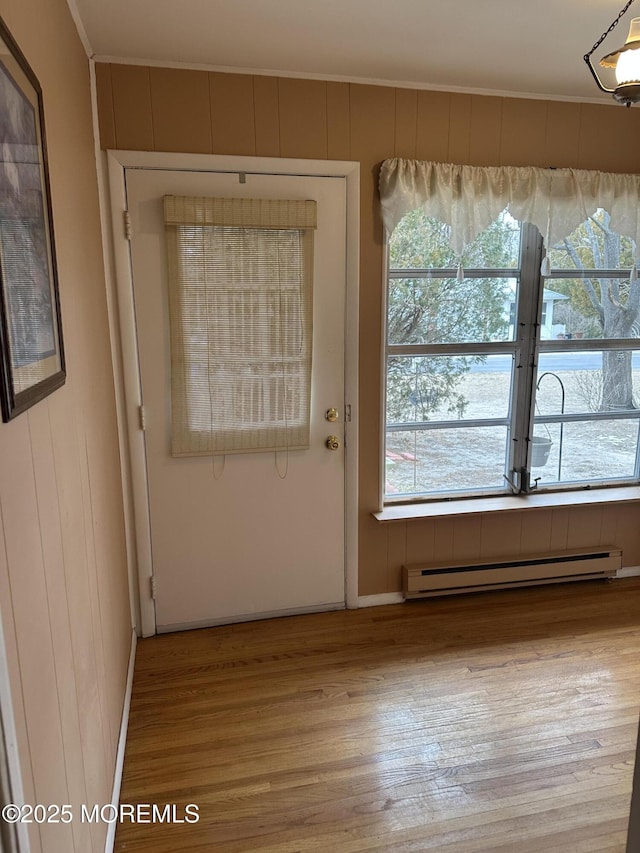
13, 837
117, 163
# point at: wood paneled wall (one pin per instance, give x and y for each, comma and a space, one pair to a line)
63, 576
162, 109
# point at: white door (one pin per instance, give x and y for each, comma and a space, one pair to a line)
253, 534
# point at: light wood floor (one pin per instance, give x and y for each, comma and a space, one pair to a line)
503, 722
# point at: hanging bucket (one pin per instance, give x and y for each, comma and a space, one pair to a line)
540, 449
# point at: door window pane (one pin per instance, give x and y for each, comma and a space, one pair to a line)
240, 310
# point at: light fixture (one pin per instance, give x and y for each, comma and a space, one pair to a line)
625, 61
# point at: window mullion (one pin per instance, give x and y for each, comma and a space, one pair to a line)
497, 348
588, 345
450, 272
529, 309
414, 426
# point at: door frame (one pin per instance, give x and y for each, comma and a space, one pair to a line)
14, 837
132, 435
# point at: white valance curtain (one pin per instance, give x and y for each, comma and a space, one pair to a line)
470, 198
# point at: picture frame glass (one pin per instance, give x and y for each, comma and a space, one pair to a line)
32, 356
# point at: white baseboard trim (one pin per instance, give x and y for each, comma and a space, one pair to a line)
122, 741
398, 598
382, 598
628, 572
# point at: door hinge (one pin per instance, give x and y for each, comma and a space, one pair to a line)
127, 224
152, 587
142, 418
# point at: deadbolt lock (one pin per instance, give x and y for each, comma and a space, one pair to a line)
332, 415
333, 442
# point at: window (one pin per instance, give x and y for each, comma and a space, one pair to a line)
240, 297
500, 379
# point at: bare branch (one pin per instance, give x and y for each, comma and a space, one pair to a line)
595, 247
599, 224
571, 251
588, 283
593, 298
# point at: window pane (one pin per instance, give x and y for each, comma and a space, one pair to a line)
591, 307
445, 460
577, 382
241, 308
446, 311
441, 388
419, 242
592, 246
584, 451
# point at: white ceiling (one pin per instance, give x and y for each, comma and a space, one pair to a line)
507, 46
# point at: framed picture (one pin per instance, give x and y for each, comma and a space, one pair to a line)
31, 349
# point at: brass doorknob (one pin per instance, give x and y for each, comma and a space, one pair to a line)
332, 442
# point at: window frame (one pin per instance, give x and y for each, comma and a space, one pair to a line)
526, 347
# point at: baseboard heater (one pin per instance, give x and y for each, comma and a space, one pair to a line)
423, 580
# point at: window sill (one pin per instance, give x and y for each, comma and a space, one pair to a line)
480, 506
